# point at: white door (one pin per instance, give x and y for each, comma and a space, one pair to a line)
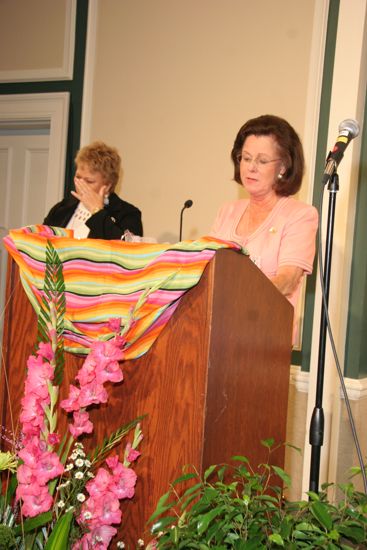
24, 154
32, 166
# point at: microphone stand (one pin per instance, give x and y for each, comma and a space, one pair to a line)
188, 204
181, 216
316, 436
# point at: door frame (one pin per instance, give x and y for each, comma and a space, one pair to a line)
51, 109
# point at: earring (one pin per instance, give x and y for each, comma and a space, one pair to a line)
280, 176
106, 200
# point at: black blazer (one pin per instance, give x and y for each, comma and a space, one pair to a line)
109, 223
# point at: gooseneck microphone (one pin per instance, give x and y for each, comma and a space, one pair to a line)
188, 204
348, 129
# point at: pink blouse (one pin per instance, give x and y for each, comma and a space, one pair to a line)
286, 237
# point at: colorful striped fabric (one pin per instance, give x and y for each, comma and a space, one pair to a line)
108, 279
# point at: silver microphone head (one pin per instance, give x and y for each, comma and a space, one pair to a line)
349, 125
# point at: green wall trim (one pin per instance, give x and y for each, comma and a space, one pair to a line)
74, 87
356, 337
303, 356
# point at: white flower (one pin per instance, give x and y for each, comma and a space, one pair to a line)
61, 504
87, 515
79, 462
140, 543
79, 475
120, 544
89, 474
80, 497
69, 467
88, 463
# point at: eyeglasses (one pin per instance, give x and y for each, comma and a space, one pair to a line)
260, 162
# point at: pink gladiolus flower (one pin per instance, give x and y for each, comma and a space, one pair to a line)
36, 500
110, 509
45, 350
53, 439
104, 508
114, 324
81, 425
124, 478
92, 393
24, 474
34, 361
100, 483
110, 373
99, 538
37, 378
32, 412
48, 467
125, 483
72, 403
130, 453
104, 352
31, 452
88, 371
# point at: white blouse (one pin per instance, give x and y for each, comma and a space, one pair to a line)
77, 222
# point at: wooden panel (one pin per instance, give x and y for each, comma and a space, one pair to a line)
248, 372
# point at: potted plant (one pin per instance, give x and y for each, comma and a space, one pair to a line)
237, 506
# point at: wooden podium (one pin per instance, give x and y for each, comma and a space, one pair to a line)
213, 385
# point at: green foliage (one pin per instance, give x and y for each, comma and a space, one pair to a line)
101, 451
7, 538
52, 310
235, 506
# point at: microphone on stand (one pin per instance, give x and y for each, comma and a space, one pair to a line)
188, 204
348, 129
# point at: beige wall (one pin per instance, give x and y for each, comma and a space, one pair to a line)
173, 82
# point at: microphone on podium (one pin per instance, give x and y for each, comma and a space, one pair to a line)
188, 204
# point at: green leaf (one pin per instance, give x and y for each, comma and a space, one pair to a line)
355, 534
208, 472
187, 502
313, 496
102, 450
207, 518
240, 458
33, 523
298, 449
268, 442
162, 523
184, 477
193, 489
283, 476
60, 533
276, 539
12, 486
320, 511
162, 507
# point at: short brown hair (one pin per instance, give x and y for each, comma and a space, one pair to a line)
290, 150
103, 159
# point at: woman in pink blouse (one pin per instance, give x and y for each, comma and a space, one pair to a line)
277, 230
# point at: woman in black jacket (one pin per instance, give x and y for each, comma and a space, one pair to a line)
94, 210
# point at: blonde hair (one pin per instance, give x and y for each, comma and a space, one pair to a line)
103, 159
